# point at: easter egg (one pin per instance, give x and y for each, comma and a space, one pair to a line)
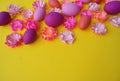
84, 22
5, 18
54, 19
54, 4
39, 14
70, 9
29, 36
112, 7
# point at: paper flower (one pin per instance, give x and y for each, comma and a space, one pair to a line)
99, 28
70, 23
14, 9
93, 6
30, 24
115, 21
101, 16
17, 25
27, 14
67, 37
49, 33
13, 40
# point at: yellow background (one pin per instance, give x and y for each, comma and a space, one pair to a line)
90, 58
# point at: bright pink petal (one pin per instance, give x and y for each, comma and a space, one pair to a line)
30, 24
70, 23
17, 25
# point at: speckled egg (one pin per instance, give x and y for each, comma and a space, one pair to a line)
54, 19
70, 9
39, 14
29, 36
5, 18
112, 7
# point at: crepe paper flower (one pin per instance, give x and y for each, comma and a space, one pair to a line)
67, 37
102, 16
99, 28
49, 33
30, 24
17, 25
39, 3
27, 14
79, 3
56, 10
93, 6
13, 40
115, 21
70, 23
14, 9
87, 13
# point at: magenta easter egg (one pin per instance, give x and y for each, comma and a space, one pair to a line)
112, 7
70, 9
54, 19
39, 14
5, 18
29, 36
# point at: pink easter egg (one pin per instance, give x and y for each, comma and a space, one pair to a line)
39, 14
70, 9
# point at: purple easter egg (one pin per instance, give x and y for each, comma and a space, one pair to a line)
70, 9
29, 36
112, 7
54, 19
39, 14
5, 18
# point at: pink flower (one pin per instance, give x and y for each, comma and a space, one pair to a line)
17, 25
70, 23
13, 40
30, 24
27, 14
14, 9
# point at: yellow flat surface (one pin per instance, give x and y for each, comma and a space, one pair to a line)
90, 58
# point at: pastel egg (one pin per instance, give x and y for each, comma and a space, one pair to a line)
70, 9
39, 14
84, 22
5, 18
54, 19
54, 4
112, 7
29, 36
